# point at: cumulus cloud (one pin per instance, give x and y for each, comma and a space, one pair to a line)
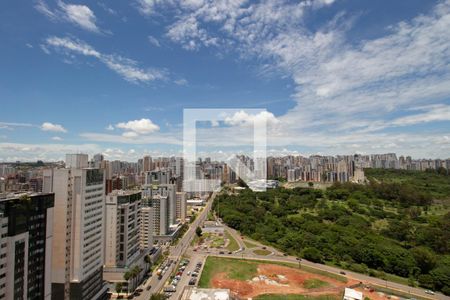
57, 138
77, 14
109, 127
342, 85
47, 126
125, 67
242, 118
142, 126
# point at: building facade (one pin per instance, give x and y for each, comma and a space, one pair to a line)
26, 246
78, 248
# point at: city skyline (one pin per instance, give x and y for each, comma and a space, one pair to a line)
336, 77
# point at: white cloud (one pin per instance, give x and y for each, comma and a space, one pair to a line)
57, 138
342, 85
46, 152
432, 114
142, 126
77, 14
47, 126
182, 82
154, 138
109, 127
125, 67
154, 41
11, 125
130, 134
242, 118
80, 15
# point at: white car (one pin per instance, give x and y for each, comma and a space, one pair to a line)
429, 292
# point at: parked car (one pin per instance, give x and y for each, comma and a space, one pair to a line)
342, 273
149, 288
429, 292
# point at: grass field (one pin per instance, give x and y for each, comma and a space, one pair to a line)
296, 297
249, 245
261, 252
232, 245
315, 283
239, 269
244, 269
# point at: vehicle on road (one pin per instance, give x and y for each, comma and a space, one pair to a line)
148, 288
342, 273
429, 292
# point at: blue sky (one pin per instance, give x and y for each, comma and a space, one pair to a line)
337, 76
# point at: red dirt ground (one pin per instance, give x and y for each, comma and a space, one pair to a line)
292, 284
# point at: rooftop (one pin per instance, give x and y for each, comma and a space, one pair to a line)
206, 294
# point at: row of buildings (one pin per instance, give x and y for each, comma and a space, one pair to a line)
121, 175
344, 168
74, 239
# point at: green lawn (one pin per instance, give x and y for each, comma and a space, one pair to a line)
217, 242
250, 245
315, 283
232, 245
261, 252
295, 297
239, 269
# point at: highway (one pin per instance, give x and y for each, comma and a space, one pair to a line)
175, 253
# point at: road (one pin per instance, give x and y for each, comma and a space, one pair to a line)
279, 256
175, 253
184, 245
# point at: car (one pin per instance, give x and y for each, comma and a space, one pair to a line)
229, 252
221, 252
285, 254
189, 272
139, 290
342, 273
148, 288
264, 248
429, 292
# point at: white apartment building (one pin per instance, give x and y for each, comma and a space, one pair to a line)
123, 226
78, 235
147, 227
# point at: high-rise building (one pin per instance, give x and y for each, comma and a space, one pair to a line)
26, 223
78, 235
123, 225
160, 218
147, 227
148, 163
181, 206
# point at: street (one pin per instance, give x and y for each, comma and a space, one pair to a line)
175, 253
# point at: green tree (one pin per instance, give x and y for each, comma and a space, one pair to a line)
312, 254
425, 258
119, 287
127, 276
198, 231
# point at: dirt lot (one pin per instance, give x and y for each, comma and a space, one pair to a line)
276, 279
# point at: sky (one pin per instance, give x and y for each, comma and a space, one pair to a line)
334, 76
